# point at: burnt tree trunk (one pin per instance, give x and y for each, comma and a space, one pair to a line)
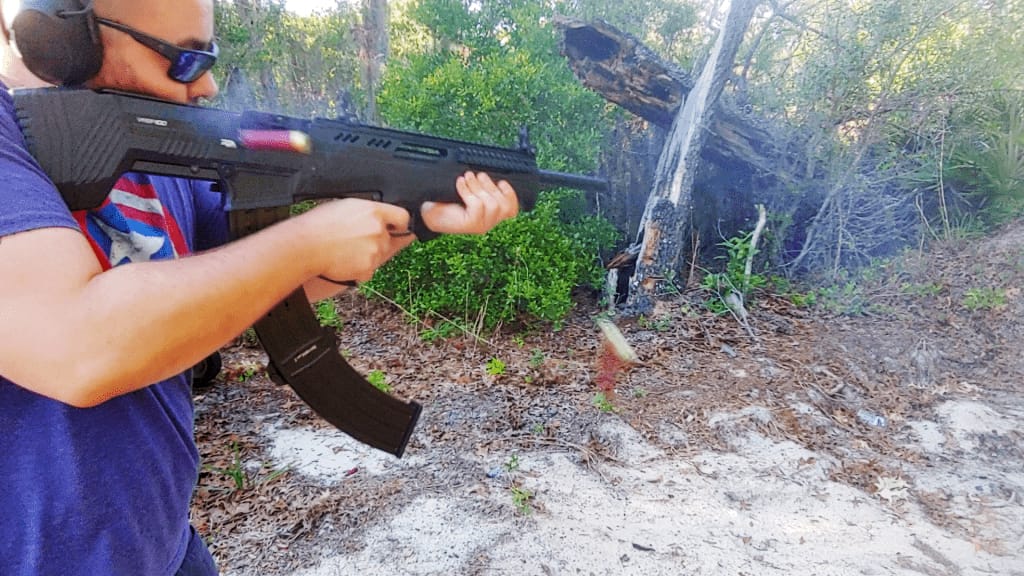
625, 72
667, 215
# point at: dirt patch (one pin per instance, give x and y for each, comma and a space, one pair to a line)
891, 442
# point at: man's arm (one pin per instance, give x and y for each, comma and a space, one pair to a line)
79, 335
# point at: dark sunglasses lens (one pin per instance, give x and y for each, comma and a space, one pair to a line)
191, 65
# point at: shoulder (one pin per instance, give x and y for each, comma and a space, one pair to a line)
8, 123
27, 198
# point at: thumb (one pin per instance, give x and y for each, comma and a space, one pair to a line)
444, 217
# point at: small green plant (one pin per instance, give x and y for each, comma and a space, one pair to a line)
602, 403
660, 324
803, 300
522, 500
274, 475
442, 331
984, 298
639, 392
734, 279
249, 338
927, 289
512, 464
536, 358
248, 372
379, 380
847, 299
495, 366
327, 314
236, 471
783, 287
237, 474
537, 429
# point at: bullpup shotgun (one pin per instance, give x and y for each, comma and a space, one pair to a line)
264, 163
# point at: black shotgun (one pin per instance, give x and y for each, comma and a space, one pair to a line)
85, 140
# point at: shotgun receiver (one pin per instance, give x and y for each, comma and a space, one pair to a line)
85, 140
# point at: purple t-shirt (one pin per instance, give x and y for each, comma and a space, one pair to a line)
102, 490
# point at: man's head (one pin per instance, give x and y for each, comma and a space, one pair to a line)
161, 48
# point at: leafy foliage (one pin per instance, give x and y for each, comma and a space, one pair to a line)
484, 86
992, 165
891, 92
525, 268
734, 279
909, 116
273, 60
485, 91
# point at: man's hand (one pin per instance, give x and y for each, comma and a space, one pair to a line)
358, 236
370, 233
485, 204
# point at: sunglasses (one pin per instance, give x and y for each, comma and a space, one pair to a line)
187, 65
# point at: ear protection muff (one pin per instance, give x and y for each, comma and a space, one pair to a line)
59, 40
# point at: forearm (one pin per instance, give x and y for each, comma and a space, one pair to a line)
318, 289
133, 325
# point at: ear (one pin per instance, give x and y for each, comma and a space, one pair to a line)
59, 40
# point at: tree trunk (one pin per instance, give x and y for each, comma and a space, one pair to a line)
252, 13
667, 216
373, 52
624, 71
238, 91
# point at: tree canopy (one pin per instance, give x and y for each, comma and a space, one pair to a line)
909, 114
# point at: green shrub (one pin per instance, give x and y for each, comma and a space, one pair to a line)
734, 279
524, 269
984, 299
496, 68
991, 163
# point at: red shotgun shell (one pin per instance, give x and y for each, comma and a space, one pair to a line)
284, 140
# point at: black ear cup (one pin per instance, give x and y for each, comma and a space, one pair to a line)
58, 40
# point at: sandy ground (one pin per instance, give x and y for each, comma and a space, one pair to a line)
887, 444
766, 508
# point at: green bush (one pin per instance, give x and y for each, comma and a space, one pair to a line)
524, 269
496, 69
991, 161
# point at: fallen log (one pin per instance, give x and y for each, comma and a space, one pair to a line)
618, 66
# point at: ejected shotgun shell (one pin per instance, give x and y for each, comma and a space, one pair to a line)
617, 342
283, 140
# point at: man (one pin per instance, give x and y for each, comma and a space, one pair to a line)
102, 312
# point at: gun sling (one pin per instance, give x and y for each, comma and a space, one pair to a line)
305, 356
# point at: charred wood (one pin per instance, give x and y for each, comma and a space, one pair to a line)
619, 67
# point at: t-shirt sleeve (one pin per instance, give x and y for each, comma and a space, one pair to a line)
28, 200
211, 217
